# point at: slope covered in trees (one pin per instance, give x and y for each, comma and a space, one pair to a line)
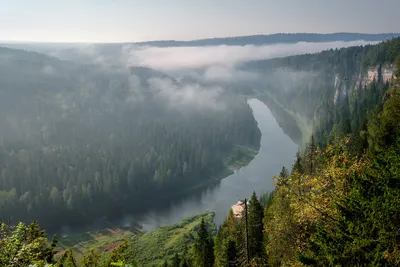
80, 142
328, 89
338, 206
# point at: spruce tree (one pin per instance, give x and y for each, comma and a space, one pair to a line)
231, 253
204, 247
298, 167
255, 227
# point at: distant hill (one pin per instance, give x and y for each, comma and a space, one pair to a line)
274, 39
230, 41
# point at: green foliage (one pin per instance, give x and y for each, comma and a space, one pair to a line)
339, 206
229, 241
165, 242
22, 245
255, 228
122, 253
176, 261
91, 258
398, 67
203, 247
68, 259
342, 211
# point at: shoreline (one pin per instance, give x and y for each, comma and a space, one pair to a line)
108, 235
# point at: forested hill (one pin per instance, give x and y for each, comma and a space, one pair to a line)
338, 206
83, 142
274, 39
317, 87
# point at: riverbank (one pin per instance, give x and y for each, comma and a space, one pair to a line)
240, 157
105, 239
149, 248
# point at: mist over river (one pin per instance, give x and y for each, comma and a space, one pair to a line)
276, 150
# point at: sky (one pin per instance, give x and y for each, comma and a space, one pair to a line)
145, 20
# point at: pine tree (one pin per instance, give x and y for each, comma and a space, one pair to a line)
310, 156
204, 247
298, 167
231, 253
255, 228
283, 176
69, 259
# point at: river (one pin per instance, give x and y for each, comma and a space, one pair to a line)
276, 150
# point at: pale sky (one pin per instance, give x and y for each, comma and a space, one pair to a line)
143, 20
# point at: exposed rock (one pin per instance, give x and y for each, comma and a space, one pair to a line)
238, 209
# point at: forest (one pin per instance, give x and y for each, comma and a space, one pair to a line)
80, 142
337, 206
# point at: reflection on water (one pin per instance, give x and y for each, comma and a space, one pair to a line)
276, 150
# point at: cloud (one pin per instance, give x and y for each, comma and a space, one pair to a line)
48, 69
175, 58
202, 72
188, 95
220, 73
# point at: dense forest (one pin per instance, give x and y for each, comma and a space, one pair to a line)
318, 87
337, 206
79, 142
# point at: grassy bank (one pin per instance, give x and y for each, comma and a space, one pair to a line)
149, 248
153, 248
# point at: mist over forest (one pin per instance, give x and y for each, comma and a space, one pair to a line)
93, 132
90, 127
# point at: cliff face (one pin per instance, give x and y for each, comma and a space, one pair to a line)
385, 71
342, 86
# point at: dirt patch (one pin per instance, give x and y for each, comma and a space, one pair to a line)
115, 231
60, 253
111, 246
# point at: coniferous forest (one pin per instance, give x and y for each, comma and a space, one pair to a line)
337, 206
78, 142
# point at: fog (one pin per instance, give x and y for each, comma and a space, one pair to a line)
173, 58
210, 66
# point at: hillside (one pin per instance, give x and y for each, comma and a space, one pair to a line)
273, 39
83, 142
337, 206
316, 86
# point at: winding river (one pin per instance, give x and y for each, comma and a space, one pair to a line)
276, 150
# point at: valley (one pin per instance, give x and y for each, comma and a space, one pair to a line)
217, 197
140, 164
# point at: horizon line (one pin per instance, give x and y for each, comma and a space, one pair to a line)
192, 40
